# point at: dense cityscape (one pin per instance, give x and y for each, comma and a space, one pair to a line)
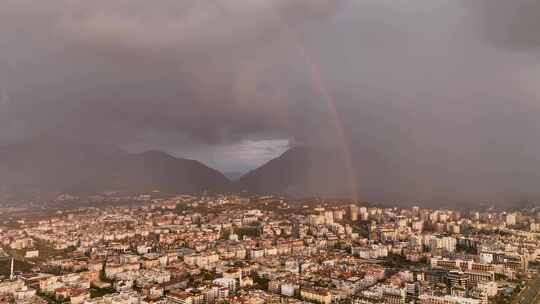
265, 249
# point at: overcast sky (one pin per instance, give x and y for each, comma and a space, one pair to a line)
448, 87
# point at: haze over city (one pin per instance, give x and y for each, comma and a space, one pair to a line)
270, 152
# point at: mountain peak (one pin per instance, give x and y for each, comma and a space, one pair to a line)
68, 166
300, 171
156, 154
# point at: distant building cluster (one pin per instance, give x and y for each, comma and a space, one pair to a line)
230, 249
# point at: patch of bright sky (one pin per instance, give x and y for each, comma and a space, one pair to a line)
243, 156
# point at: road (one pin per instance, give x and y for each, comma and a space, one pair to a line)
531, 293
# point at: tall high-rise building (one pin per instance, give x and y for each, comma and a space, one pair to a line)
511, 219
353, 212
416, 211
329, 217
372, 232
296, 229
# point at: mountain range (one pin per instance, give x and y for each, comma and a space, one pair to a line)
66, 166
60, 166
301, 171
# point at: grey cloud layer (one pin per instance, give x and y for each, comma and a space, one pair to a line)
509, 24
435, 95
209, 69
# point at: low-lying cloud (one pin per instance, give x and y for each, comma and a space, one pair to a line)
440, 96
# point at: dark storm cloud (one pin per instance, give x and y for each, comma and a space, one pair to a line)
211, 70
432, 96
510, 24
